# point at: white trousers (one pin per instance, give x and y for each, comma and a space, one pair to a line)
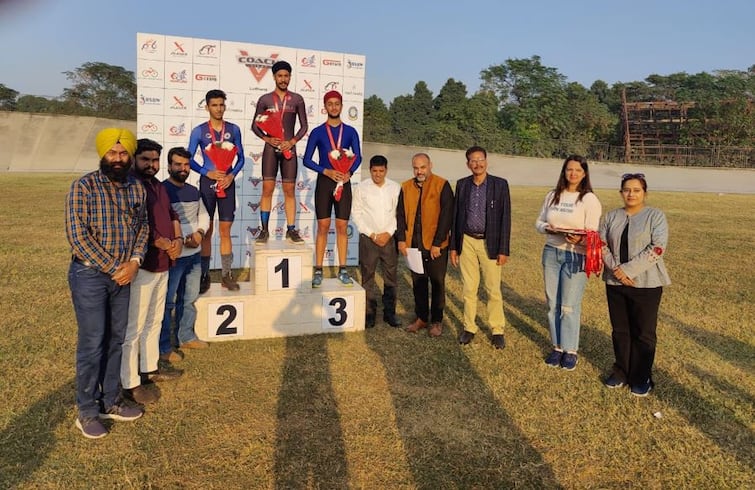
145, 315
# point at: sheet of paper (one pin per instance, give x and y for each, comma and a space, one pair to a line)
414, 259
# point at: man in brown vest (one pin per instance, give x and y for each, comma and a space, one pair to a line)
424, 216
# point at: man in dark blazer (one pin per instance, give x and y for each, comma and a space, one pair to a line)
480, 239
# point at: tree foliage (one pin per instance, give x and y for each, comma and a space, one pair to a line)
104, 90
7, 98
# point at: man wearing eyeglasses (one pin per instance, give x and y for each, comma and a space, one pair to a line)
480, 242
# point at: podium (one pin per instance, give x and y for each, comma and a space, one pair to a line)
279, 300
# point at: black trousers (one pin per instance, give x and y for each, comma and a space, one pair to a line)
435, 276
370, 255
634, 317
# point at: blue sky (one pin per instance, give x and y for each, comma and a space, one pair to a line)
404, 41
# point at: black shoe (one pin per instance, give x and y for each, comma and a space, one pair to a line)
293, 236
229, 282
498, 341
390, 319
369, 321
204, 284
465, 337
165, 372
262, 237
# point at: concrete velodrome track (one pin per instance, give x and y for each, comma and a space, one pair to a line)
54, 143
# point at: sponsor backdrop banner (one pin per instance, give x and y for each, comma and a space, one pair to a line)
174, 74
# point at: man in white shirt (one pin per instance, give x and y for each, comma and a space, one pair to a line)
374, 212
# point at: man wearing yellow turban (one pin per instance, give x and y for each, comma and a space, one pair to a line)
107, 228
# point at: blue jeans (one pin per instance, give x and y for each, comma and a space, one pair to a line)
183, 290
565, 280
101, 308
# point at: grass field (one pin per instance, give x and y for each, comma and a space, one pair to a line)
386, 409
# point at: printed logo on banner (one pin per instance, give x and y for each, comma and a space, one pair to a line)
352, 90
255, 155
353, 113
232, 105
308, 62
149, 127
149, 46
279, 231
179, 77
305, 233
253, 231
332, 85
354, 65
208, 50
149, 100
178, 130
310, 111
280, 207
304, 185
331, 62
178, 49
258, 65
349, 230
206, 77
178, 103
303, 209
306, 86
149, 73
254, 181
254, 206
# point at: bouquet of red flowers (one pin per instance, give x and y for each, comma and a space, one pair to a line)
594, 255
341, 160
271, 123
222, 154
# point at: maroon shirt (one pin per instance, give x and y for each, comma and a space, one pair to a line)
161, 216
294, 108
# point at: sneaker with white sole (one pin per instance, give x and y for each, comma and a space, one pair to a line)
91, 427
642, 389
569, 361
345, 279
292, 236
122, 412
554, 358
317, 279
613, 381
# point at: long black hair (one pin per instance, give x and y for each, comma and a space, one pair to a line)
583, 187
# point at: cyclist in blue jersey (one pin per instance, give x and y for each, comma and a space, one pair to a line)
217, 131
332, 135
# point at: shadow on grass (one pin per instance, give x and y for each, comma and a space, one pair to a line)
309, 447
734, 351
454, 432
714, 420
29, 437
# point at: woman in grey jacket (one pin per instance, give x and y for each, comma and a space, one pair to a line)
635, 239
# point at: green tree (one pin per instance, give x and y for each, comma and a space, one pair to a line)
450, 111
7, 98
377, 121
103, 90
38, 104
412, 116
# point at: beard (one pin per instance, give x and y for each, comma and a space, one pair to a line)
113, 173
179, 176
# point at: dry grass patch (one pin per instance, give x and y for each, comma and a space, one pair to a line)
386, 409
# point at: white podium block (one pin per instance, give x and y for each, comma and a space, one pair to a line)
223, 315
279, 301
280, 267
